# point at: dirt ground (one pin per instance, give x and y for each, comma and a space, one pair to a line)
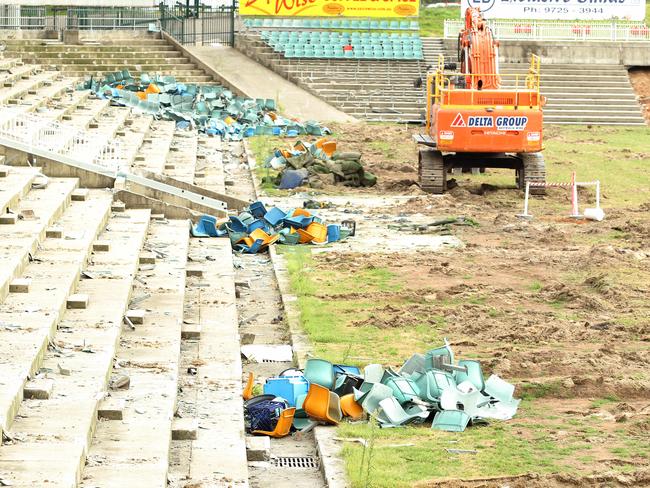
557, 306
640, 79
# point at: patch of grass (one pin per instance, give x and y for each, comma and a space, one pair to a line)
617, 156
535, 286
604, 401
501, 451
540, 390
340, 326
432, 20
262, 147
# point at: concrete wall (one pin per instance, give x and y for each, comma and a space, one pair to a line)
104, 36
565, 52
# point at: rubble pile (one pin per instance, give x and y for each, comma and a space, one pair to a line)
318, 164
212, 109
428, 387
256, 228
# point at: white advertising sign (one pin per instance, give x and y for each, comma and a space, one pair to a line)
559, 9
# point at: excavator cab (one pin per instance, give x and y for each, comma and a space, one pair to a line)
478, 117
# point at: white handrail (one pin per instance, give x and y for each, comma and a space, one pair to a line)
51, 136
522, 30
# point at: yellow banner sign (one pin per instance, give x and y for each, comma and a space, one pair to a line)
330, 8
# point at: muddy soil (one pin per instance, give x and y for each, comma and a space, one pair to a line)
640, 79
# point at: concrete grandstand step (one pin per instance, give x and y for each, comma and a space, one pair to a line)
132, 137
135, 451
16, 74
604, 119
54, 275
76, 53
41, 98
181, 159
66, 421
84, 114
15, 185
219, 452
23, 86
155, 146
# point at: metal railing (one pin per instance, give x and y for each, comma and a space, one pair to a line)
57, 139
521, 30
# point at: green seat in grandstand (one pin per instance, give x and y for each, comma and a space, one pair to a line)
365, 35
374, 24
355, 24
364, 24
395, 35
320, 52
299, 52
315, 23
326, 24
404, 25
339, 53
257, 23
355, 35
345, 24
414, 25
348, 54
383, 24
394, 24
358, 54
267, 23
336, 24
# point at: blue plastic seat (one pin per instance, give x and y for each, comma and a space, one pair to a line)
374, 24
206, 227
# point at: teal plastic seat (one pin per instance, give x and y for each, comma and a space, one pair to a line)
414, 364
474, 374
432, 383
435, 357
364, 24
404, 389
392, 414
403, 25
373, 394
394, 25
345, 24
373, 373
320, 372
383, 24
374, 24
336, 24
450, 421
326, 24
355, 24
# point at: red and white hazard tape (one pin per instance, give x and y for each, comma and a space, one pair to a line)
593, 213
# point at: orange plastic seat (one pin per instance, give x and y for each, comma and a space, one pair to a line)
283, 426
248, 389
301, 211
329, 148
152, 88
323, 405
350, 407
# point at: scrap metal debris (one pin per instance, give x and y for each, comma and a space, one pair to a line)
428, 387
256, 228
212, 109
317, 164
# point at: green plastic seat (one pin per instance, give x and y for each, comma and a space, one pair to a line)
326, 24
394, 25
450, 421
383, 24
374, 24
336, 24
392, 414
432, 383
404, 389
345, 24
320, 372
364, 24
370, 394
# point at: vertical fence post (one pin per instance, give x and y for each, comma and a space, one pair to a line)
232, 23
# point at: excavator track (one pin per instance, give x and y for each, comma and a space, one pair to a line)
432, 171
534, 170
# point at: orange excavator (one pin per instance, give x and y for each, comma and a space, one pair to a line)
477, 117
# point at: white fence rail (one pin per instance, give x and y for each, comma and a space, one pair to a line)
522, 30
59, 139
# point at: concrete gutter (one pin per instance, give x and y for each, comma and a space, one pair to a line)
331, 465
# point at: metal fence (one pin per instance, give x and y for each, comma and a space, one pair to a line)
522, 30
189, 24
202, 26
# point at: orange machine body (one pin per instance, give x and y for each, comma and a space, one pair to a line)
479, 109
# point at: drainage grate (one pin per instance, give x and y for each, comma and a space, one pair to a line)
297, 462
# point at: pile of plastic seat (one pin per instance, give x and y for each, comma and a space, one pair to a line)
430, 386
256, 228
316, 164
364, 45
212, 109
